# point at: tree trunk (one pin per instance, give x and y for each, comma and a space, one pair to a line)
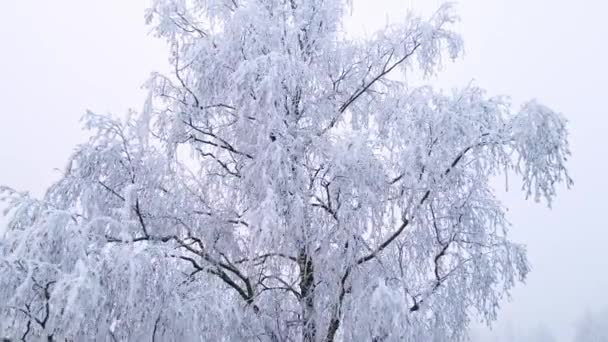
307, 287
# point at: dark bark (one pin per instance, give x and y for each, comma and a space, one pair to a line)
307, 289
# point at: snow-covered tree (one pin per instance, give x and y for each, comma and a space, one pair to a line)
282, 184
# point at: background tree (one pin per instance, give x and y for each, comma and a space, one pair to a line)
541, 334
281, 185
592, 327
505, 334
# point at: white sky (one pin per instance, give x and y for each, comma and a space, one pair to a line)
59, 58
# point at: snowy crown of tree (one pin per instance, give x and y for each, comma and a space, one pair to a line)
282, 185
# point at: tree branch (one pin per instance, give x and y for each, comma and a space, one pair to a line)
384, 244
386, 69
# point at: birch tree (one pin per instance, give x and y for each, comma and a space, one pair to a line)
283, 183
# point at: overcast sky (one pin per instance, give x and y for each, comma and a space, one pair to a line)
59, 58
